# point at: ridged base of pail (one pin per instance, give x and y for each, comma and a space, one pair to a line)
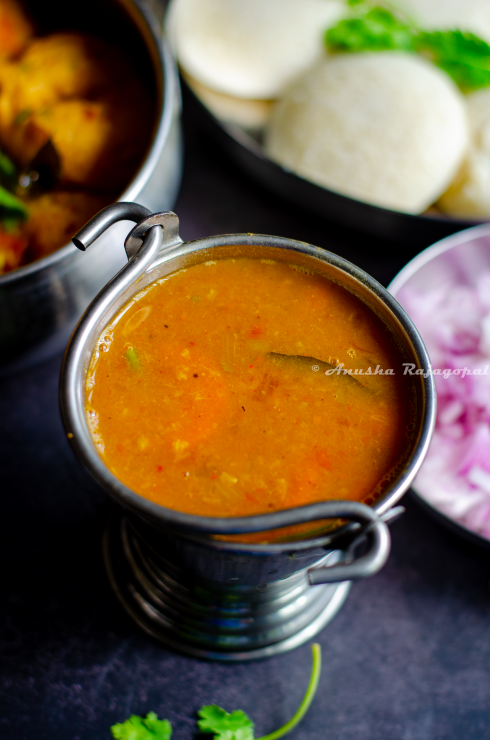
205, 619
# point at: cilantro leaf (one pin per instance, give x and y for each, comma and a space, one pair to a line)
234, 726
137, 728
237, 726
464, 56
376, 30
215, 721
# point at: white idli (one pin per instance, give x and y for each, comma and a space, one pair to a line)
465, 15
251, 115
249, 48
469, 194
388, 128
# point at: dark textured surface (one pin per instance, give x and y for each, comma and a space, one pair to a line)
407, 658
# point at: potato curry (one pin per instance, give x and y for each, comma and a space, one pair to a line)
219, 391
75, 122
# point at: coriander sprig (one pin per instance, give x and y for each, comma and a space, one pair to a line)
316, 670
216, 721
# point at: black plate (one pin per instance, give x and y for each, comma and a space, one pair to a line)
247, 153
448, 523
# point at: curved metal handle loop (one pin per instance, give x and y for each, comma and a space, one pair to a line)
367, 565
171, 238
144, 220
106, 218
142, 245
149, 247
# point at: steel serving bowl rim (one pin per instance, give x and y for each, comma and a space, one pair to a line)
168, 70
74, 416
435, 250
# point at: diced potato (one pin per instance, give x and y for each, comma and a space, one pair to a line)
23, 141
15, 29
101, 135
99, 143
55, 217
62, 66
81, 94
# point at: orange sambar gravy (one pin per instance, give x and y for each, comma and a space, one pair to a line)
216, 392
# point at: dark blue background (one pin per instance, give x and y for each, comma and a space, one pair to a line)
407, 658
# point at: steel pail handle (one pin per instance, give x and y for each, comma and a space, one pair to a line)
142, 245
366, 565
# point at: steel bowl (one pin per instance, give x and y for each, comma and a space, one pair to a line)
456, 260
411, 232
215, 597
41, 302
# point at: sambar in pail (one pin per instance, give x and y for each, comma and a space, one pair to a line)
241, 386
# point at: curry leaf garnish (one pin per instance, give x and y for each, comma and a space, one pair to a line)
462, 55
9, 202
12, 210
8, 170
216, 721
137, 728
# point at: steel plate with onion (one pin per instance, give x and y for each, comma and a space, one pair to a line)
445, 290
40, 302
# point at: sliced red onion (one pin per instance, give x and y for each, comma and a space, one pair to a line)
455, 326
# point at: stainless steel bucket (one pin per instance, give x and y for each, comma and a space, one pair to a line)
208, 596
41, 302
